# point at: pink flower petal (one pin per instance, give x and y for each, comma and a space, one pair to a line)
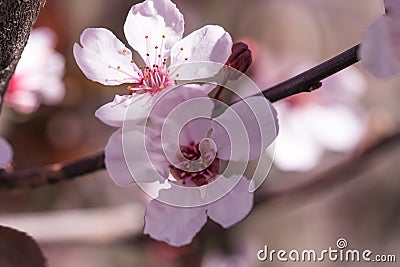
23, 101
127, 161
168, 100
154, 19
234, 206
380, 47
133, 108
173, 225
336, 127
115, 161
6, 152
210, 43
113, 113
103, 58
250, 127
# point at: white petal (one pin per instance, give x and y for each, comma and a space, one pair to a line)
250, 127
103, 58
173, 225
6, 152
296, 149
155, 19
380, 47
336, 127
234, 206
208, 44
114, 113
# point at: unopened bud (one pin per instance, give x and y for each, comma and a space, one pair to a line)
240, 60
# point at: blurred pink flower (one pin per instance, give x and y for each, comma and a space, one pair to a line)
6, 153
38, 76
330, 118
380, 46
191, 163
154, 29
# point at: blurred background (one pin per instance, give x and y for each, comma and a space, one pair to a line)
92, 222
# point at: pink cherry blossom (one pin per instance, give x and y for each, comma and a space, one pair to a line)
154, 29
380, 46
193, 161
38, 76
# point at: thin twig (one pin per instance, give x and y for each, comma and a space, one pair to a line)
310, 80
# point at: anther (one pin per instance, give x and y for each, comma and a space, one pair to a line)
119, 67
147, 37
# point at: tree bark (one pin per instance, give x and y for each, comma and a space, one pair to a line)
16, 20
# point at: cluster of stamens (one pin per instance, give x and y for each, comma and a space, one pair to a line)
153, 77
199, 172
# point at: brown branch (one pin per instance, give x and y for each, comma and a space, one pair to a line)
16, 21
310, 80
51, 174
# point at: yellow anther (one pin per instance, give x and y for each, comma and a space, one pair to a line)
129, 87
124, 50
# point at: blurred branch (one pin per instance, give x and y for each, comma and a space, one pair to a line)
97, 225
304, 82
51, 174
310, 80
16, 21
337, 175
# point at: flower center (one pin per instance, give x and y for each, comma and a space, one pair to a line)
187, 171
152, 80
